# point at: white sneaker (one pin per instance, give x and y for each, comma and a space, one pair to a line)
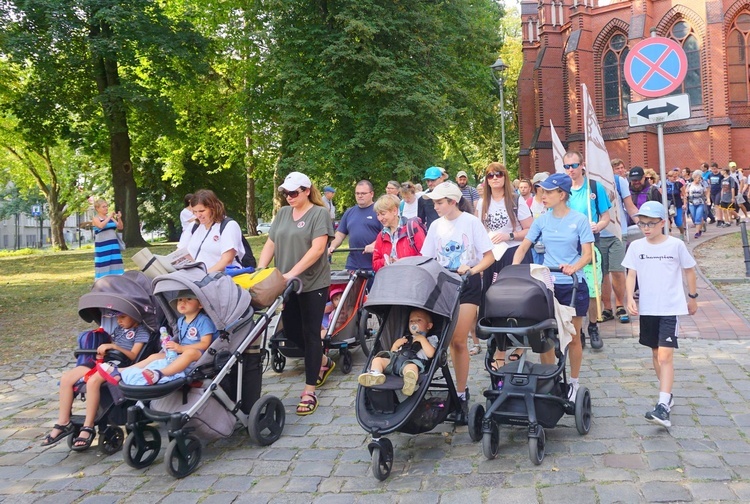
371, 379
572, 391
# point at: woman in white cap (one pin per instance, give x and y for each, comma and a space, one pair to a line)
297, 241
208, 243
458, 241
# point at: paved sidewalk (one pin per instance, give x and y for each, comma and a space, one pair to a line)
704, 457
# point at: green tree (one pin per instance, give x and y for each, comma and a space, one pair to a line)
94, 63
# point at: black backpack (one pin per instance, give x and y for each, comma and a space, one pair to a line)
248, 260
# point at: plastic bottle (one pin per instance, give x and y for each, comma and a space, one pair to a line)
171, 355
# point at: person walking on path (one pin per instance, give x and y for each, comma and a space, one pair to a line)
469, 193
697, 198
361, 224
302, 230
107, 253
658, 261
328, 194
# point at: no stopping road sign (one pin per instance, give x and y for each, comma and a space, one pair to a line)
655, 67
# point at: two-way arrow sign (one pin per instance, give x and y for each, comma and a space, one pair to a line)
659, 110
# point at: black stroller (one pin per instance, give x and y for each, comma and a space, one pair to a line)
412, 282
223, 388
520, 313
130, 294
350, 326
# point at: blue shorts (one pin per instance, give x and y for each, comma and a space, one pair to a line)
563, 294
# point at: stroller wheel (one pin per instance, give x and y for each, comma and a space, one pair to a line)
266, 420
491, 441
476, 415
183, 456
536, 447
369, 324
142, 447
382, 458
346, 361
583, 411
278, 361
111, 440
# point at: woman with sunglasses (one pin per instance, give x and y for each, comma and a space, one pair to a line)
208, 243
562, 230
297, 242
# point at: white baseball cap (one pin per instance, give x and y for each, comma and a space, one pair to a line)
461, 174
445, 190
294, 181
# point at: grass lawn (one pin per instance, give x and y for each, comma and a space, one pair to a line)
39, 298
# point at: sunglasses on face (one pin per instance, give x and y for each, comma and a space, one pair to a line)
650, 178
494, 174
571, 166
291, 194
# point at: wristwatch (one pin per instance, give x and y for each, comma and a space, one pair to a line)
693, 296
511, 236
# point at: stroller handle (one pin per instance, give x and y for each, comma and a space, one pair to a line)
575, 284
348, 250
294, 284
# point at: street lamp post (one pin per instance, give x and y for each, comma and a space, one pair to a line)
499, 68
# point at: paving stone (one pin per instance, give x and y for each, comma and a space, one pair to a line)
665, 492
701, 459
618, 493
624, 461
703, 492
567, 494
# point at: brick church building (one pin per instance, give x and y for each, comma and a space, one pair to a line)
570, 42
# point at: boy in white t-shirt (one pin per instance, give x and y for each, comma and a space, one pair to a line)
658, 262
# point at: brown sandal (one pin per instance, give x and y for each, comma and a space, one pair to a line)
308, 404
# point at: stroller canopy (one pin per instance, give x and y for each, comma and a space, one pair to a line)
129, 293
516, 294
415, 281
224, 301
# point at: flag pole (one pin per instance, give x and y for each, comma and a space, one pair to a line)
597, 281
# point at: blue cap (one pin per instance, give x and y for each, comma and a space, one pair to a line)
557, 181
652, 209
329, 189
433, 173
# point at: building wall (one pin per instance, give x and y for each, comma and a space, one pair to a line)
28, 231
563, 46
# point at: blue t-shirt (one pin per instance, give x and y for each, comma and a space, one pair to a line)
561, 238
623, 193
362, 226
580, 197
191, 333
714, 180
127, 338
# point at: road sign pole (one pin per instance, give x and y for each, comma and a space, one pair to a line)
663, 175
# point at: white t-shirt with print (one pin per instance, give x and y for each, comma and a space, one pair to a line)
498, 220
207, 245
659, 269
452, 243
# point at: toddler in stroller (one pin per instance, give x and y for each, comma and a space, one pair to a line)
521, 312
223, 388
126, 298
426, 287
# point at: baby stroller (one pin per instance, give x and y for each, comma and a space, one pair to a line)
223, 387
130, 294
412, 282
350, 326
520, 313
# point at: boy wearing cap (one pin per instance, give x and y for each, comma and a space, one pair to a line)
458, 241
658, 261
433, 176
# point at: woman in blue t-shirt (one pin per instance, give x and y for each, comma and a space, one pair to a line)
568, 240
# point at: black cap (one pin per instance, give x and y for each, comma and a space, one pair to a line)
636, 173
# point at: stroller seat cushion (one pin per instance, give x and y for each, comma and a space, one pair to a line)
143, 392
393, 382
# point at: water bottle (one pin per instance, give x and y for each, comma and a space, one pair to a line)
171, 355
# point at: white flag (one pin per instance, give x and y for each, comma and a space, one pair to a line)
558, 151
598, 165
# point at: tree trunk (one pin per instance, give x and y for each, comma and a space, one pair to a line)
57, 223
115, 115
250, 217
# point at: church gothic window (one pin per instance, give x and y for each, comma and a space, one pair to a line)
683, 33
616, 88
737, 64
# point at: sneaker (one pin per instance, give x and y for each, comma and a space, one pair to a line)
410, 382
622, 313
572, 391
698, 234
583, 339
596, 340
659, 415
371, 379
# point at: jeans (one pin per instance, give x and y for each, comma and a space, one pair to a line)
696, 212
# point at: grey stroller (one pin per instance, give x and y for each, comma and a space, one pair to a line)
223, 387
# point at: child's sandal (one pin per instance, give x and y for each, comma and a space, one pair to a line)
325, 372
308, 404
65, 431
152, 376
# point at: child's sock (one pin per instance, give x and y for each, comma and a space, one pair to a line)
462, 395
664, 399
573, 381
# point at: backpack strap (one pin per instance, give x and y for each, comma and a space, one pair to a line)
593, 190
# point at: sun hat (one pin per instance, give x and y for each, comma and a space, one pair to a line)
652, 209
445, 190
294, 181
433, 173
184, 294
461, 174
336, 289
557, 181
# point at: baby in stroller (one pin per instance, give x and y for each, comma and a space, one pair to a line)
408, 356
196, 332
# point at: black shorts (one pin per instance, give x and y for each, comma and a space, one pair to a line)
727, 206
471, 293
659, 331
563, 293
